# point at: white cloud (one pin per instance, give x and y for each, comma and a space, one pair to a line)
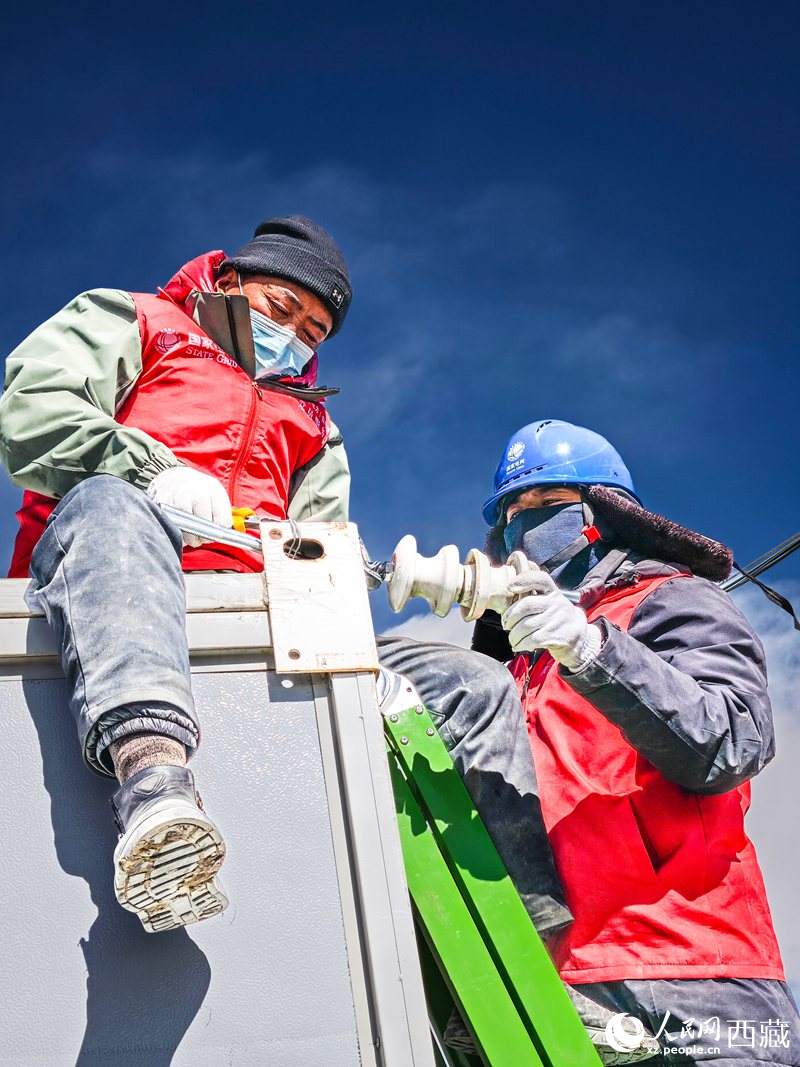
450, 631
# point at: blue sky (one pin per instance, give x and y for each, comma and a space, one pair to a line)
586, 213
577, 211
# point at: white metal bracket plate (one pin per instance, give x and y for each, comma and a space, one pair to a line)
317, 597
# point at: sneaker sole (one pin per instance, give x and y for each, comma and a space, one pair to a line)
457, 1037
166, 875
611, 1057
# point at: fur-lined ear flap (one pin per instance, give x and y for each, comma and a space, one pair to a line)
657, 537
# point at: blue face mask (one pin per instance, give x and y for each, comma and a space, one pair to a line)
542, 532
279, 352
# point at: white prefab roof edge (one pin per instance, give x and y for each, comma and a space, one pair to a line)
226, 616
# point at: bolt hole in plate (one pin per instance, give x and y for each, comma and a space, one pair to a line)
293, 653
303, 548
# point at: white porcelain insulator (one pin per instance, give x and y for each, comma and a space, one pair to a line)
443, 581
438, 579
485, 584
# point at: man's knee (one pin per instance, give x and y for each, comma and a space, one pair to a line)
486, 680
104, 506
102, 493
456, 684
474, 692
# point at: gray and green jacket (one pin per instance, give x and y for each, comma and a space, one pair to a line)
65, 383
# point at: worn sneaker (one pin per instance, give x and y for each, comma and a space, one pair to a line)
618, 1038
169, 850
456, 1035
622, 1041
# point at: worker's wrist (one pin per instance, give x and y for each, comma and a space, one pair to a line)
152, 468
584, 653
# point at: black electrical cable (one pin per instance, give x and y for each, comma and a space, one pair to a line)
763, 563
758, 566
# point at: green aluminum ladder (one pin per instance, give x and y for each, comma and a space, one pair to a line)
478, 947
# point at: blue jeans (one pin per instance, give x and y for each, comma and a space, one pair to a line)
108, 575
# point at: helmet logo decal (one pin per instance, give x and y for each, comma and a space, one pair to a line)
515, 451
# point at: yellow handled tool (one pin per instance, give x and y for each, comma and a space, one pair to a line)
240, 517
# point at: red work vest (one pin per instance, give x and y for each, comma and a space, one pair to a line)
663, 882
194, 398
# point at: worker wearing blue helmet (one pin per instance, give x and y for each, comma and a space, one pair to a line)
647, 714
476, 707
552, 452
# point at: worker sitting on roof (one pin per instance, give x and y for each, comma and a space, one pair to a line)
198, 396
647, 714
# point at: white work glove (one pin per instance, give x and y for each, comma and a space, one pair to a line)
544, 618
190, 490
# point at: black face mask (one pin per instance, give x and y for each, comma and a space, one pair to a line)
543, 533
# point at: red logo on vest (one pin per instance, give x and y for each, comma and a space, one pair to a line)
166, 340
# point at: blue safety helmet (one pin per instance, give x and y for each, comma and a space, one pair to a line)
555, 452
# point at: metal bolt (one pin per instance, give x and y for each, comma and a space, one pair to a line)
393, 718
430, 731
403, 740
419, 709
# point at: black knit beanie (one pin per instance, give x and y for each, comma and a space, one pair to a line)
297, 249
